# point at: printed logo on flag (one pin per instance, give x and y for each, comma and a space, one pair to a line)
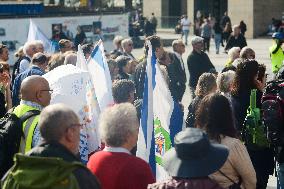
162, 141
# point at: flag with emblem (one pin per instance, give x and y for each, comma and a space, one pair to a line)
161, 118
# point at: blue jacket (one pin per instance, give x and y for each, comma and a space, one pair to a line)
34, 70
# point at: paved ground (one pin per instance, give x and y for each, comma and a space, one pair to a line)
262, 56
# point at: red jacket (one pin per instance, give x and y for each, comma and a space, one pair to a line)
118, 170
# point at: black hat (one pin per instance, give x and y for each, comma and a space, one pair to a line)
193, 155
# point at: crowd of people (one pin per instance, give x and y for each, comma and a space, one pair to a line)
208, 153
221, 31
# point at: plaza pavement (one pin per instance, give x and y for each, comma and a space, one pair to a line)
260, 46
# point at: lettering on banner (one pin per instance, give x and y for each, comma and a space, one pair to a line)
83, 148
77, 86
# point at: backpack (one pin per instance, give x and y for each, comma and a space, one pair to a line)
41, 172
11, 132
16, 67
273, 112
254, 131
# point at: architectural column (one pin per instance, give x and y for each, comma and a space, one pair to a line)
190, 14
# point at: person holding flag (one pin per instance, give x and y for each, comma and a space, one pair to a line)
161, 116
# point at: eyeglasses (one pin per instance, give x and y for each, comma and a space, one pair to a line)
49, 90
130, 44
77, 125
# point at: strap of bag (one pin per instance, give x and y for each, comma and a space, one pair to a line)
239, 183
28, 115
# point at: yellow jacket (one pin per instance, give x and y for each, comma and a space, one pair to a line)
28, 126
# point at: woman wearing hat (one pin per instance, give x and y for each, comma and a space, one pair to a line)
238, 169
191, 160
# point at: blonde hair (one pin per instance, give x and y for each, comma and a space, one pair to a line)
206, 83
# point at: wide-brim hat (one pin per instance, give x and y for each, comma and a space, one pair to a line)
193, 155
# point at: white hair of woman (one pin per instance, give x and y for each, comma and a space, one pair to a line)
224, 81
117, 39
27, 46
234, 53
117, 123
125, 42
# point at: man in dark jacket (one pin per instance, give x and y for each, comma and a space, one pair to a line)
60, 129
39, 63
198, 63
176, 71
140, 71
236, 39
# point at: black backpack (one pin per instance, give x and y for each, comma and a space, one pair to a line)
11, 132
16, 67
273, 112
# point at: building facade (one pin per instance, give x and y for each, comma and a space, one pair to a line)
257, 14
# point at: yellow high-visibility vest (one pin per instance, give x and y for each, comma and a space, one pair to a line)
277, 58
28, 127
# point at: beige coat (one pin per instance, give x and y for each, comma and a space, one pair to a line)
238, 165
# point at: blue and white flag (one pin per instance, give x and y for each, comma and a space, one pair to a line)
36, 34
98, 68
161, 118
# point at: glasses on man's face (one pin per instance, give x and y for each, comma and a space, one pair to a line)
130, 44
49, 90
77, 125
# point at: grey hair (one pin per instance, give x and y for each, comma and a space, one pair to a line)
224, 81
54, 120
125, 42
117, 39
246, 51
175, 43
117, 123
28, 45
38, 42
233, 52
70, 58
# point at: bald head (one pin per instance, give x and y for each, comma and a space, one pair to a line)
35, 88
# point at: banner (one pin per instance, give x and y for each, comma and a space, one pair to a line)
73, 86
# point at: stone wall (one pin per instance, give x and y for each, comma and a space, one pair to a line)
264, 11
242, 10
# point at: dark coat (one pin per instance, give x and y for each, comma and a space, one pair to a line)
177, 78
198, 63
34, 70
84, 177
139, 79
193, 106
240, 41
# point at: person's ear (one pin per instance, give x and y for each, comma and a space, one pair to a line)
69, 136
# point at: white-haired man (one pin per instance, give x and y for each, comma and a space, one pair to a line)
119, 130
29, 50
198, 63
176, 71
127, 46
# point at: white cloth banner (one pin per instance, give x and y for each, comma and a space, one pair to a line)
73, 87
